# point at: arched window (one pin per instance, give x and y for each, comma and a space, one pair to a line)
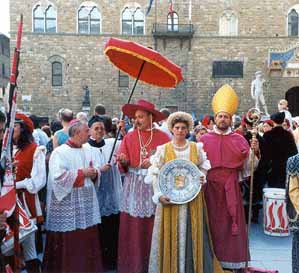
127, 21
293, 23
51, 19
132, 21
95, 20
172, 21
228, 24
83, 20
56, 73
138, 22
89, 20
38, 19
44, 18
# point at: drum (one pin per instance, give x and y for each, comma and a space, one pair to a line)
275, 214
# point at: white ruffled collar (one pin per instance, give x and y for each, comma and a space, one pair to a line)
219, 132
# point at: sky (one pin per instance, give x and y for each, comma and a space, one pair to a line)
4, 16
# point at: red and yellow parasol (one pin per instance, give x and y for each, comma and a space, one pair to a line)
141, 63
135, 59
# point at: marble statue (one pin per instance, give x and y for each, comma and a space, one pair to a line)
257, 92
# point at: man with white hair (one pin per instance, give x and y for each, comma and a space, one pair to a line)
73, 212
82, 116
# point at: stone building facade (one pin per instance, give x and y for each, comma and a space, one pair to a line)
214, 41
4, 61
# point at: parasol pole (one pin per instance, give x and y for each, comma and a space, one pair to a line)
254, 116
122, 116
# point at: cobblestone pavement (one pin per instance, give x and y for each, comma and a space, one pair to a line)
269, 252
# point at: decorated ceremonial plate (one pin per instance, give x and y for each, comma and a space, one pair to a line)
179, 180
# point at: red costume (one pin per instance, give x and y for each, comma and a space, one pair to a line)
227, 154
137, 207
29, 200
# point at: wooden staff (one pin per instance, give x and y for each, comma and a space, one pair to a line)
253, 116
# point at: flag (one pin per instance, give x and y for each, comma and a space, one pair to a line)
170, 7
8, 202
8, 188
149, 7
8, 193
24, 219
11, 106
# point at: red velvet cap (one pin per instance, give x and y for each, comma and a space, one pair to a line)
26, 120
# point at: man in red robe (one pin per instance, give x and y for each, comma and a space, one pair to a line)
137, 208
228, 153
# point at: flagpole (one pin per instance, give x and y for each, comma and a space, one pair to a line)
156, 9
9, 129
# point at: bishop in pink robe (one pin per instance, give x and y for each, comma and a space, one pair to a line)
227, 153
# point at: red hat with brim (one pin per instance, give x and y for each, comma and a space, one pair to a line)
26, 120
130, 109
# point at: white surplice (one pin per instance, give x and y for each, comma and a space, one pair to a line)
70, 208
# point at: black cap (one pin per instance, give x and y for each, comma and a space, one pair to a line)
94, 119
278, 117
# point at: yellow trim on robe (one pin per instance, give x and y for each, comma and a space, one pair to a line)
169, 227
294, 192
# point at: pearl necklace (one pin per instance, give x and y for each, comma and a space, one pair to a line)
181, 148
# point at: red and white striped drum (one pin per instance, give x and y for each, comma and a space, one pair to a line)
275, 214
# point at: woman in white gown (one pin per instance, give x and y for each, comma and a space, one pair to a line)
181, 241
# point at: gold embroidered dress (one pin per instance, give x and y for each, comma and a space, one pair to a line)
181, 241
